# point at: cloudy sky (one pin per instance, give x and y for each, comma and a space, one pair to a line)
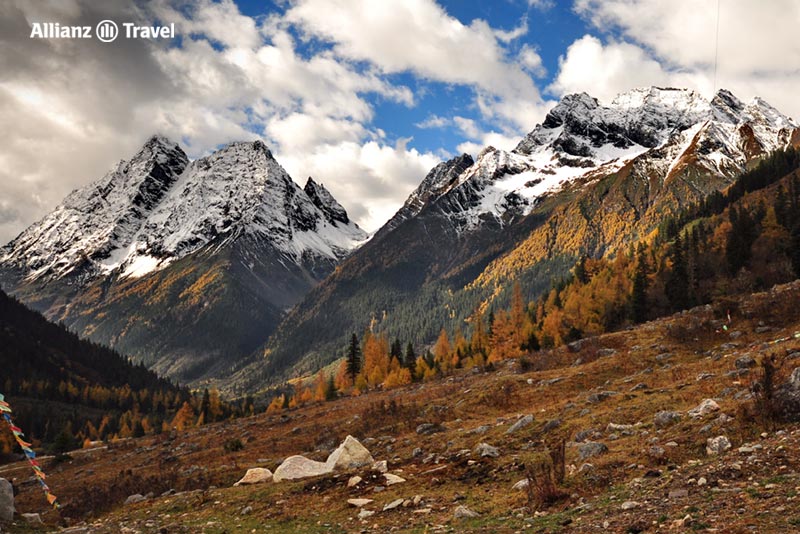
363, 95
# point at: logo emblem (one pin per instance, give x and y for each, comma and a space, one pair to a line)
107, 30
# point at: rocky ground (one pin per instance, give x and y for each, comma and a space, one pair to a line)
661, 433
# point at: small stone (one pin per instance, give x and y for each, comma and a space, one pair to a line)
462, 512
485, 450
704, 408
381, 466
135, 498
358, 503
363, 514
417, 499
591, 449
702, 481
522, 485
393, 479
717, 445
681, 493
630, 505
745, 362
354, 481
246, 510
666, 418
392, 505
520, 424
257, 475
426, 429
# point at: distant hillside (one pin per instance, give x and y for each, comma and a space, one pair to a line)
55, 381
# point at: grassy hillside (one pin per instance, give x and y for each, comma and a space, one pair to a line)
647, 475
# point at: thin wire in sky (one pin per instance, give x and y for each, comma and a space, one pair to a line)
716, 48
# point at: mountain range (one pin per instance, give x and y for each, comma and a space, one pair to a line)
224, 268
186, 266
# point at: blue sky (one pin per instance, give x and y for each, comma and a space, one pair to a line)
365, 96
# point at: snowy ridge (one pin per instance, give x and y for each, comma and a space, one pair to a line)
581, 139
110, 227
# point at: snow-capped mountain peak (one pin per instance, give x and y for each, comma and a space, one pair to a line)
323, 200
158, 207
582, 138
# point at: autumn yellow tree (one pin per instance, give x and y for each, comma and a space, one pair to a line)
443, 352
184, 418
376, 359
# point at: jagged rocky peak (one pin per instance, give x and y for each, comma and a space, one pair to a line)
323, 200
158, 207
584, 138
438, 180
96, 219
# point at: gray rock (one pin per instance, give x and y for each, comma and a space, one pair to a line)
617, 427
704, 408
576, 346
522, 422
583, 435
358, 503
462, 512
522, 485
381, 466
485, 450
6, 501
594, 398
392, 505
295, 467
483, 429
392, 479
745, 362
552, 424
427, 429
247, 510
640, 386
717, 445
135, 498
666, 418
664, 356
363, 514
350, 454
606, 352
656, 452
681, 493
794, 379
591, 449
630, 505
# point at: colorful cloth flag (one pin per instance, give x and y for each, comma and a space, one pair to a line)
5, 408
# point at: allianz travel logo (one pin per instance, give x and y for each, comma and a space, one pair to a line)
105, 31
